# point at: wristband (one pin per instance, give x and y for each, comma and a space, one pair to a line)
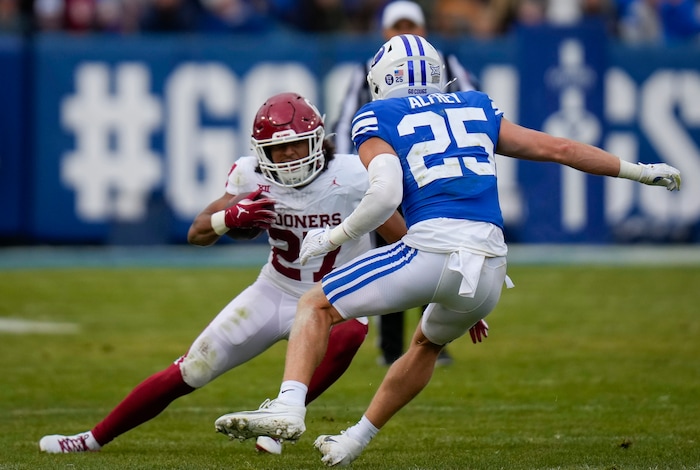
630, 171
218, 222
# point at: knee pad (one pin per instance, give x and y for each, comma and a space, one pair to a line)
196, 371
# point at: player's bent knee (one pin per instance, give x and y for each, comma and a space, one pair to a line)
351, 333
196, 372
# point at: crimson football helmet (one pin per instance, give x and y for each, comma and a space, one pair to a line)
285, 118
406, 65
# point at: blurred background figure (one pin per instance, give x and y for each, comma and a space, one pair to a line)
530, 12
506, 15
108, 16
459, 17
323, 16
600, 10
48, 15
571, 12
638, 21
680, 20
80, 16
170, 16
240, 16
118, 16
11, 19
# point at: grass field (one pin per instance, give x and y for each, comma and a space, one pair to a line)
586, 367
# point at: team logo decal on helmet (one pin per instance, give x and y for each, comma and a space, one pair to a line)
378, 56
435, 75
283, 119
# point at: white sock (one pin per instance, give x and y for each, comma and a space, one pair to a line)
91, 442
362, 432
293, 393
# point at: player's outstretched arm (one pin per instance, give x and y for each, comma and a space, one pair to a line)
528, 144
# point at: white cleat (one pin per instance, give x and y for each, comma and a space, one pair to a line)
273, 419
268, 445
58, 444
338, 450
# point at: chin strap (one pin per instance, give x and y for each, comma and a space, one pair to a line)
448, 84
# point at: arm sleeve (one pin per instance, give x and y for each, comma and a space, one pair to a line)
383, 196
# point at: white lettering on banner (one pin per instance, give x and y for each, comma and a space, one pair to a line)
500, 82
621, 194
199, 157
669, 101
661, 95
573, 121
112, 168
620, 109
114, 116
572, 77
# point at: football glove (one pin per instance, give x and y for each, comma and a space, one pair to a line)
660, 174
316, 242
478, 331
252, 211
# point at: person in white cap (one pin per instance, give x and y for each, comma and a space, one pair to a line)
398, 17
399, 10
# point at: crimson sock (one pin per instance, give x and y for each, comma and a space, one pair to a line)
144, 402
344, 341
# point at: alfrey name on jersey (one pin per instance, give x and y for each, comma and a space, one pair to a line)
427, 100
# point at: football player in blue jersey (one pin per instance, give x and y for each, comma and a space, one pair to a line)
433, 153
398, 17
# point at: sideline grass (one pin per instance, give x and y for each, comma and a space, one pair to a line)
585, 368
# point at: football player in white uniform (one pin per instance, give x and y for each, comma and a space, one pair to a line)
433, 153
294, 184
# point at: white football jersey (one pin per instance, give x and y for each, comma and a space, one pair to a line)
327, 200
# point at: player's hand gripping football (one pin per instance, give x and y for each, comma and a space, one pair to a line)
316, 242
660, 174
252, 211
479, 331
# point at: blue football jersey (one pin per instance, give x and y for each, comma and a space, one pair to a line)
446, 144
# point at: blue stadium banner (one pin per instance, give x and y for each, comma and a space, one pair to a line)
13, 159
138, 134
561, 83
133, 136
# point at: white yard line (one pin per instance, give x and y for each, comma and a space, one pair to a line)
256, 254
19, 326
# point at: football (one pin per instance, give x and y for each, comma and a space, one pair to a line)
242, 233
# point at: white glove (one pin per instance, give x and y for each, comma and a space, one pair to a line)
660, 174
316, 242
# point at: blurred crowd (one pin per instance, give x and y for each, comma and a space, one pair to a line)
634, 21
